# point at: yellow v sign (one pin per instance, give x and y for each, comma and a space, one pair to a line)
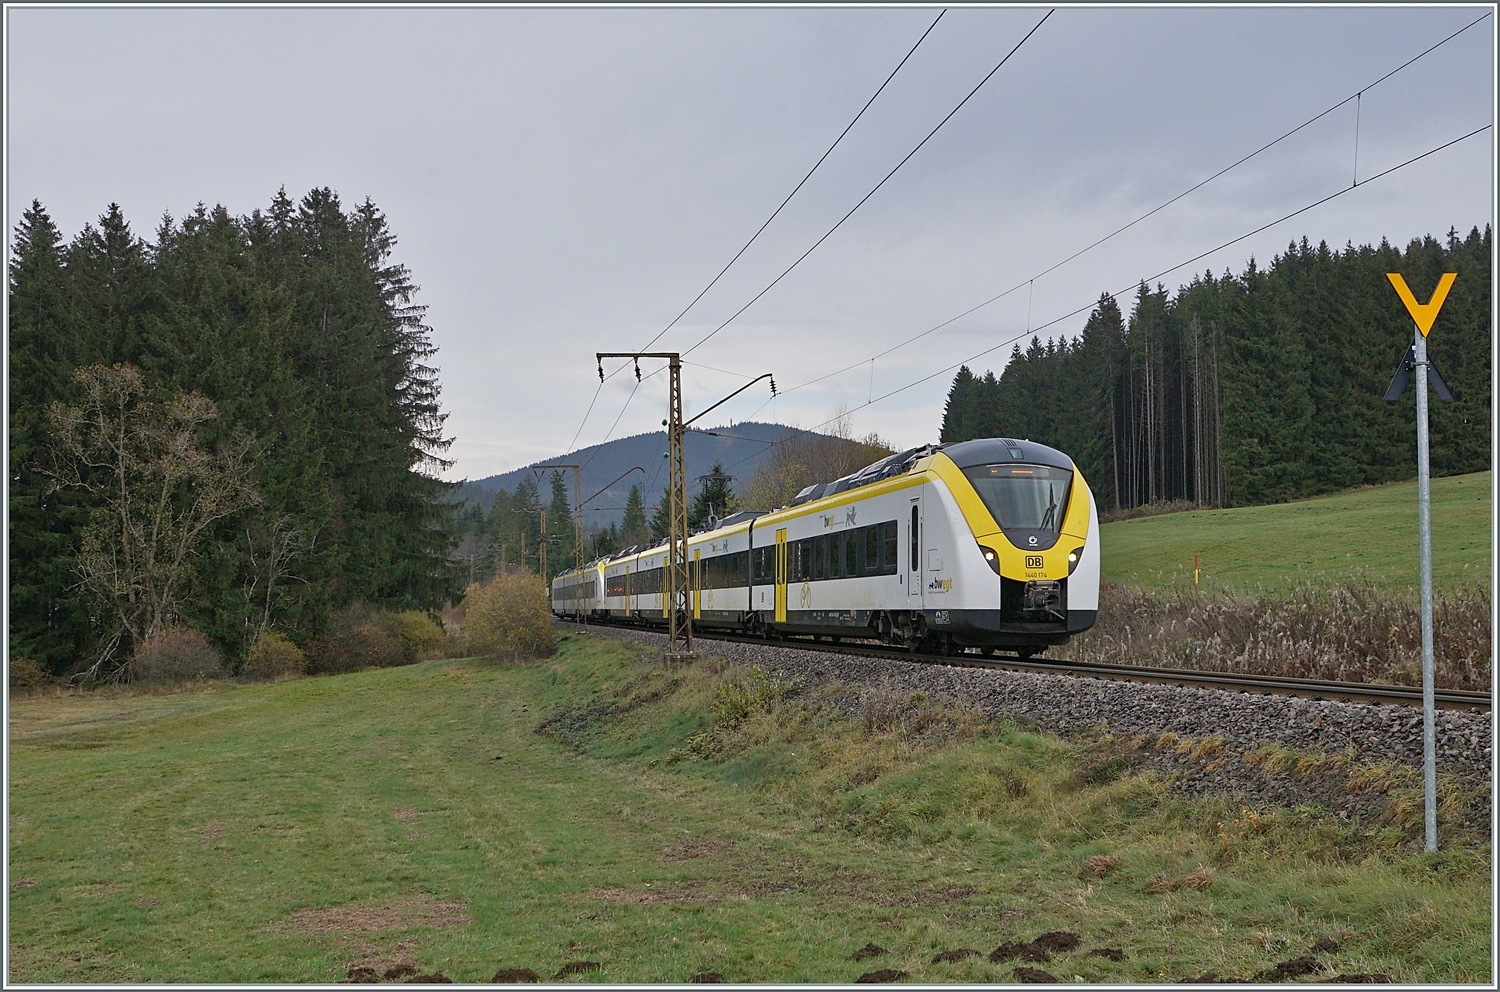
1424, 315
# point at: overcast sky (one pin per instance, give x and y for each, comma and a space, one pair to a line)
566, 181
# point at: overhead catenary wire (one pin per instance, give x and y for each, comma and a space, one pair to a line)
1154, 210
757, 233
704, 340
799, 186
1147, 279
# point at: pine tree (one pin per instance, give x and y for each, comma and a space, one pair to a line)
559, 527
955, 423
661, 520
714, 499
48, 624
634, 530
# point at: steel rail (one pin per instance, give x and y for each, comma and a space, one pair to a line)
1266, 685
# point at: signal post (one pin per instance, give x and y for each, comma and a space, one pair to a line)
1416, 360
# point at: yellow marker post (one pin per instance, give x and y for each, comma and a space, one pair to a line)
1424, 315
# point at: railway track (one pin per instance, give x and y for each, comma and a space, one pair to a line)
1352, 692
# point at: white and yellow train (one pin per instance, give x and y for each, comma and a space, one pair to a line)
991, 543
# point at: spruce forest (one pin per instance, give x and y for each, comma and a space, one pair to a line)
1257, 388
232, 428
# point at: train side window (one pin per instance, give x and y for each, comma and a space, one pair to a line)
820, 557
915, 559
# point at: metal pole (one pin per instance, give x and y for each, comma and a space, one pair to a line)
1424, 504
578, 521
678, 629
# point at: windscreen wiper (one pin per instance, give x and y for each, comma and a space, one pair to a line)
1049, 519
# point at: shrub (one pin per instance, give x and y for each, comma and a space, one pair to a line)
25, 673
273, 656
421, 637
176, 654
359, 637
508, 617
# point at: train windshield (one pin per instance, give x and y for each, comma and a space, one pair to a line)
1023, 498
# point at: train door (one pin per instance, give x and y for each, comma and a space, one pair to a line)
780, 575
697, 582
914, 556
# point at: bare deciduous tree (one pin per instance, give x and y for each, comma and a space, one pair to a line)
804, 457
155, 492
271, 548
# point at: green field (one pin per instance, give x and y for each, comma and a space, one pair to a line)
667, 823
1367, 535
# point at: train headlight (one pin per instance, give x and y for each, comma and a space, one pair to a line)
991, 557
1074, 557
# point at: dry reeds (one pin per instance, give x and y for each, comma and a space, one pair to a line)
1347, 632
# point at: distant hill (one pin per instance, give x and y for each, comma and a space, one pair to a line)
740, 447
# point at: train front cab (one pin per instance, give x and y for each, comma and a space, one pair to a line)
1021, 536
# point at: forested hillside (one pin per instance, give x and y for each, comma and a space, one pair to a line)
232, 428
1256, 388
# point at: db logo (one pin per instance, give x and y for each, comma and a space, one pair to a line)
1033, 561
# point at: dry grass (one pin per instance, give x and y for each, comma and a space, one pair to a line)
1347, 632
1101, 864
1196, 881
404, 915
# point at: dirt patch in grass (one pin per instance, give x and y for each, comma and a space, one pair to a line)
22, 883
1018, 951
576, 968
707, 978
406, 914
514, 976
957, 954
696, 848
212, 831
692, 891
1033, 976
929, 896
1061, 941
404, 814
880, 977
367, 972
1293, 968
868, 951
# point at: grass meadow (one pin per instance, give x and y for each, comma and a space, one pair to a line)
1367, 535
463, 817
